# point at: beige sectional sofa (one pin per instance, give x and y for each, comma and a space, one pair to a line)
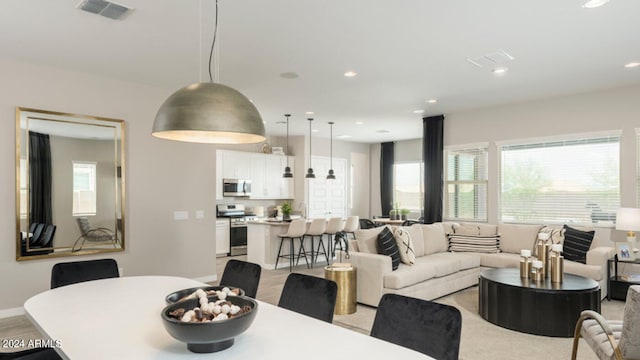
438, 271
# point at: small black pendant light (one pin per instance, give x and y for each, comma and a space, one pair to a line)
310, 174
331, 176
287, 169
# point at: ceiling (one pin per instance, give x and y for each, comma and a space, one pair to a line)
404, 52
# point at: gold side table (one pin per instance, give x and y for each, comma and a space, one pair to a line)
345, 276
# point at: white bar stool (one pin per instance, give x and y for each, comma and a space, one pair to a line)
351, 225
317, 228
296, 230
334, 226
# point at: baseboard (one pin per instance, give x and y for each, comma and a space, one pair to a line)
208, 278
11, 312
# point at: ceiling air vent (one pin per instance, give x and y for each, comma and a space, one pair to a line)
104, 8
491, 59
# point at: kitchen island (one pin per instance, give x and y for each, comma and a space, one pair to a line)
263, 242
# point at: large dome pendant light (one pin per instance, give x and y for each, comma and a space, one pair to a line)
310, 174
331, 176
209, 113
287, 169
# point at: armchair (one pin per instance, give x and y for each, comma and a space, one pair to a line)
612, 339
87, 233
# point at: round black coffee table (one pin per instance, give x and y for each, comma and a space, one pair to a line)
540, 308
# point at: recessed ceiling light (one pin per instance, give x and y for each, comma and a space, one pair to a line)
382, 131
432, 101
359, 123
315, 130
281, 122
500, 70
350, 74
418, 111
289, 75
309, 112
591, 4
343, 136
632, 64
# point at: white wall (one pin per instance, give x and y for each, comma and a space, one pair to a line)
614, 109
162, 176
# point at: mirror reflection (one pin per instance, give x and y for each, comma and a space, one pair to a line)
69, 184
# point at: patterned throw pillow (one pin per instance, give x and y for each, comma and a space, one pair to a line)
405, 246
387, 246
576, 244
556, 236
474, 243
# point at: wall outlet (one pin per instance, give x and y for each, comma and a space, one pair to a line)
199, 214
180, 215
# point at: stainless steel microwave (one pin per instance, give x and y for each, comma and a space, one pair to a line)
236, 187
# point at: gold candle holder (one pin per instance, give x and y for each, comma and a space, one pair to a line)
525, 267
557, 264
537, 270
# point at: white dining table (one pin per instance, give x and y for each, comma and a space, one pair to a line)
119, 318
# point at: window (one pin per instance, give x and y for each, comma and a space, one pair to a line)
408, 186
567, 180
84, 188
466, 183
638, 168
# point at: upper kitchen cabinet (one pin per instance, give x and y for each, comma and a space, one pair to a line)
266, 177
264, 170
234, 165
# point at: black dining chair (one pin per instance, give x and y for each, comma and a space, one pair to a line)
32, 354
368, 224
78, 271
309, 295
243, 275
424, 326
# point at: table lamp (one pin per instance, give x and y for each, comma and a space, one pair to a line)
628, 219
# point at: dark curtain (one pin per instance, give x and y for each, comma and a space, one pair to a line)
39, 178
432, 154
386, 177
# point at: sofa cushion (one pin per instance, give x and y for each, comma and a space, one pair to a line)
488, 229
367, 239
466, 229
500, 260
430, 266
387, 246
473, 243
405, 245
576, 244
435, 240
415, 231
515, 237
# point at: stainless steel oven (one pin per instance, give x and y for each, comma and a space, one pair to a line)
238, 227
238, 236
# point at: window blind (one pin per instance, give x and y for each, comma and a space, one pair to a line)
466, 183
576, 181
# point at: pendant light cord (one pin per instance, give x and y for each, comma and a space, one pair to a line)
310, 120
213, 43
287, 149
331, 146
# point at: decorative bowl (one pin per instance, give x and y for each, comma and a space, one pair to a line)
212, 336
176, 296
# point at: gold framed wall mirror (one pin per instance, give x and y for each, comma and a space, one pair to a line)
70, 184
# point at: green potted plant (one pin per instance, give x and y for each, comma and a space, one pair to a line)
286, 211
404, 213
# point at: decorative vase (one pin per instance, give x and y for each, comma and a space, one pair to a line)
525, 263
557, 263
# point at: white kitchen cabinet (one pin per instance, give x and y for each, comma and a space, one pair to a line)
257, 176
223, 231
235, 164
264, 170
266, 177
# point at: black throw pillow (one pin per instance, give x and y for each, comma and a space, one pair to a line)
387, 246
576, 244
